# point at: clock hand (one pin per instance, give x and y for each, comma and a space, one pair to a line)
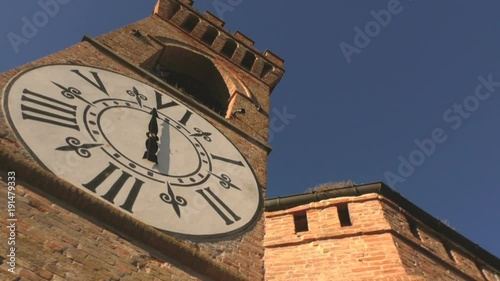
152, 141
153, 124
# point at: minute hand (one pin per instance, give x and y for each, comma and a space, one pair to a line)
152, 141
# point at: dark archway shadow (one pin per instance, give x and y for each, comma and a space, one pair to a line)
192, 74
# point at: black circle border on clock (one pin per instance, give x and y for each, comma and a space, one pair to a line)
177, 97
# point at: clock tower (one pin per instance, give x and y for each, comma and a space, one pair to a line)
141, 153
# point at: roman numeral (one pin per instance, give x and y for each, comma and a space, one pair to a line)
239, 163
161, 105
215, 205
50, 111
97, 80
116, 187
185, 118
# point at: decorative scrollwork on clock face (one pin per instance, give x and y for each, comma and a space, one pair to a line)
134, 147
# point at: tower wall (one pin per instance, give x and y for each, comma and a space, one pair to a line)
60, 224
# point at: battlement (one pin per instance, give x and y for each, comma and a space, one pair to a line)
237, 47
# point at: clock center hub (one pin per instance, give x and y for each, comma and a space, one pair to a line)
177, 154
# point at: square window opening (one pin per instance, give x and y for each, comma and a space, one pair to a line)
449, 252
300, 221
413, 228
343, 212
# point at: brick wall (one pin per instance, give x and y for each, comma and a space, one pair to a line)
231, 251
431, 254
378, 245
55, 243
328, 251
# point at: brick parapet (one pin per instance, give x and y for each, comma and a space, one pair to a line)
432, 248
324, 222
327, 251
374, 218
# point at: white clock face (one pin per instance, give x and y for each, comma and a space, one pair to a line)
134, 147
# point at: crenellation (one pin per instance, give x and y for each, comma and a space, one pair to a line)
278, 61
182, 14
243, 38
187, 2
167, 9
213, 19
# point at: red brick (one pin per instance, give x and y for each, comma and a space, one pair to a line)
29, 275
367, 250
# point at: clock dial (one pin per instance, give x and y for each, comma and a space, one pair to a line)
134, 147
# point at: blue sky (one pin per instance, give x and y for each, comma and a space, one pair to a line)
427, 75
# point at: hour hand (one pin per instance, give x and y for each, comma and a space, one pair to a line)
152, 140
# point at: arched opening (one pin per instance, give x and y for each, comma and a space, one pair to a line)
266, 69
195, 76
172, 9
229, 48
209, 35
190, 22
248, 60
